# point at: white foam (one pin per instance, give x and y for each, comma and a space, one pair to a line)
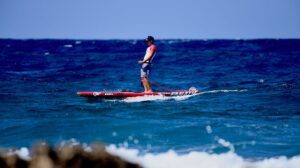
23, 153
226, 144
176, 98
172, 41
68, 46
156, 98
208, 129
145, 98
192, 159
224, 91
196, 159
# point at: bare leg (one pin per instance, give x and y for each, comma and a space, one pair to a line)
144, 83
147, 86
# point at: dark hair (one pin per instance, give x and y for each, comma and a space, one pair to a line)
150, 38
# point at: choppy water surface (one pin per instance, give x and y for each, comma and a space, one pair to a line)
249, 106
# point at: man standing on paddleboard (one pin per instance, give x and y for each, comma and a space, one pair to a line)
146, 63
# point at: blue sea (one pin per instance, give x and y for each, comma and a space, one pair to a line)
248, 113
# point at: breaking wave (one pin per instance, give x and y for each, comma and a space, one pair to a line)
195, 159
192, 159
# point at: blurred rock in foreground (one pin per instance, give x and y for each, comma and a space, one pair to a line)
66, 156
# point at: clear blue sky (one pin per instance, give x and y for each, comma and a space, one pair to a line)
134, 19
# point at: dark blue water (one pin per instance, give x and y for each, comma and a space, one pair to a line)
251, 97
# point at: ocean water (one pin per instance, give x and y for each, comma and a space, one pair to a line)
248, 113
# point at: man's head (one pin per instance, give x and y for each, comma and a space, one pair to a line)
150, 40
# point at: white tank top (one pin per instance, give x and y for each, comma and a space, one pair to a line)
148, 52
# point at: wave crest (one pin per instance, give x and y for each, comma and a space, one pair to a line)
196, 159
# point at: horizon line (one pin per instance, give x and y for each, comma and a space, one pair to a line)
158, 39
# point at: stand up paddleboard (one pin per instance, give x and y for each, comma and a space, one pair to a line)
120, 95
